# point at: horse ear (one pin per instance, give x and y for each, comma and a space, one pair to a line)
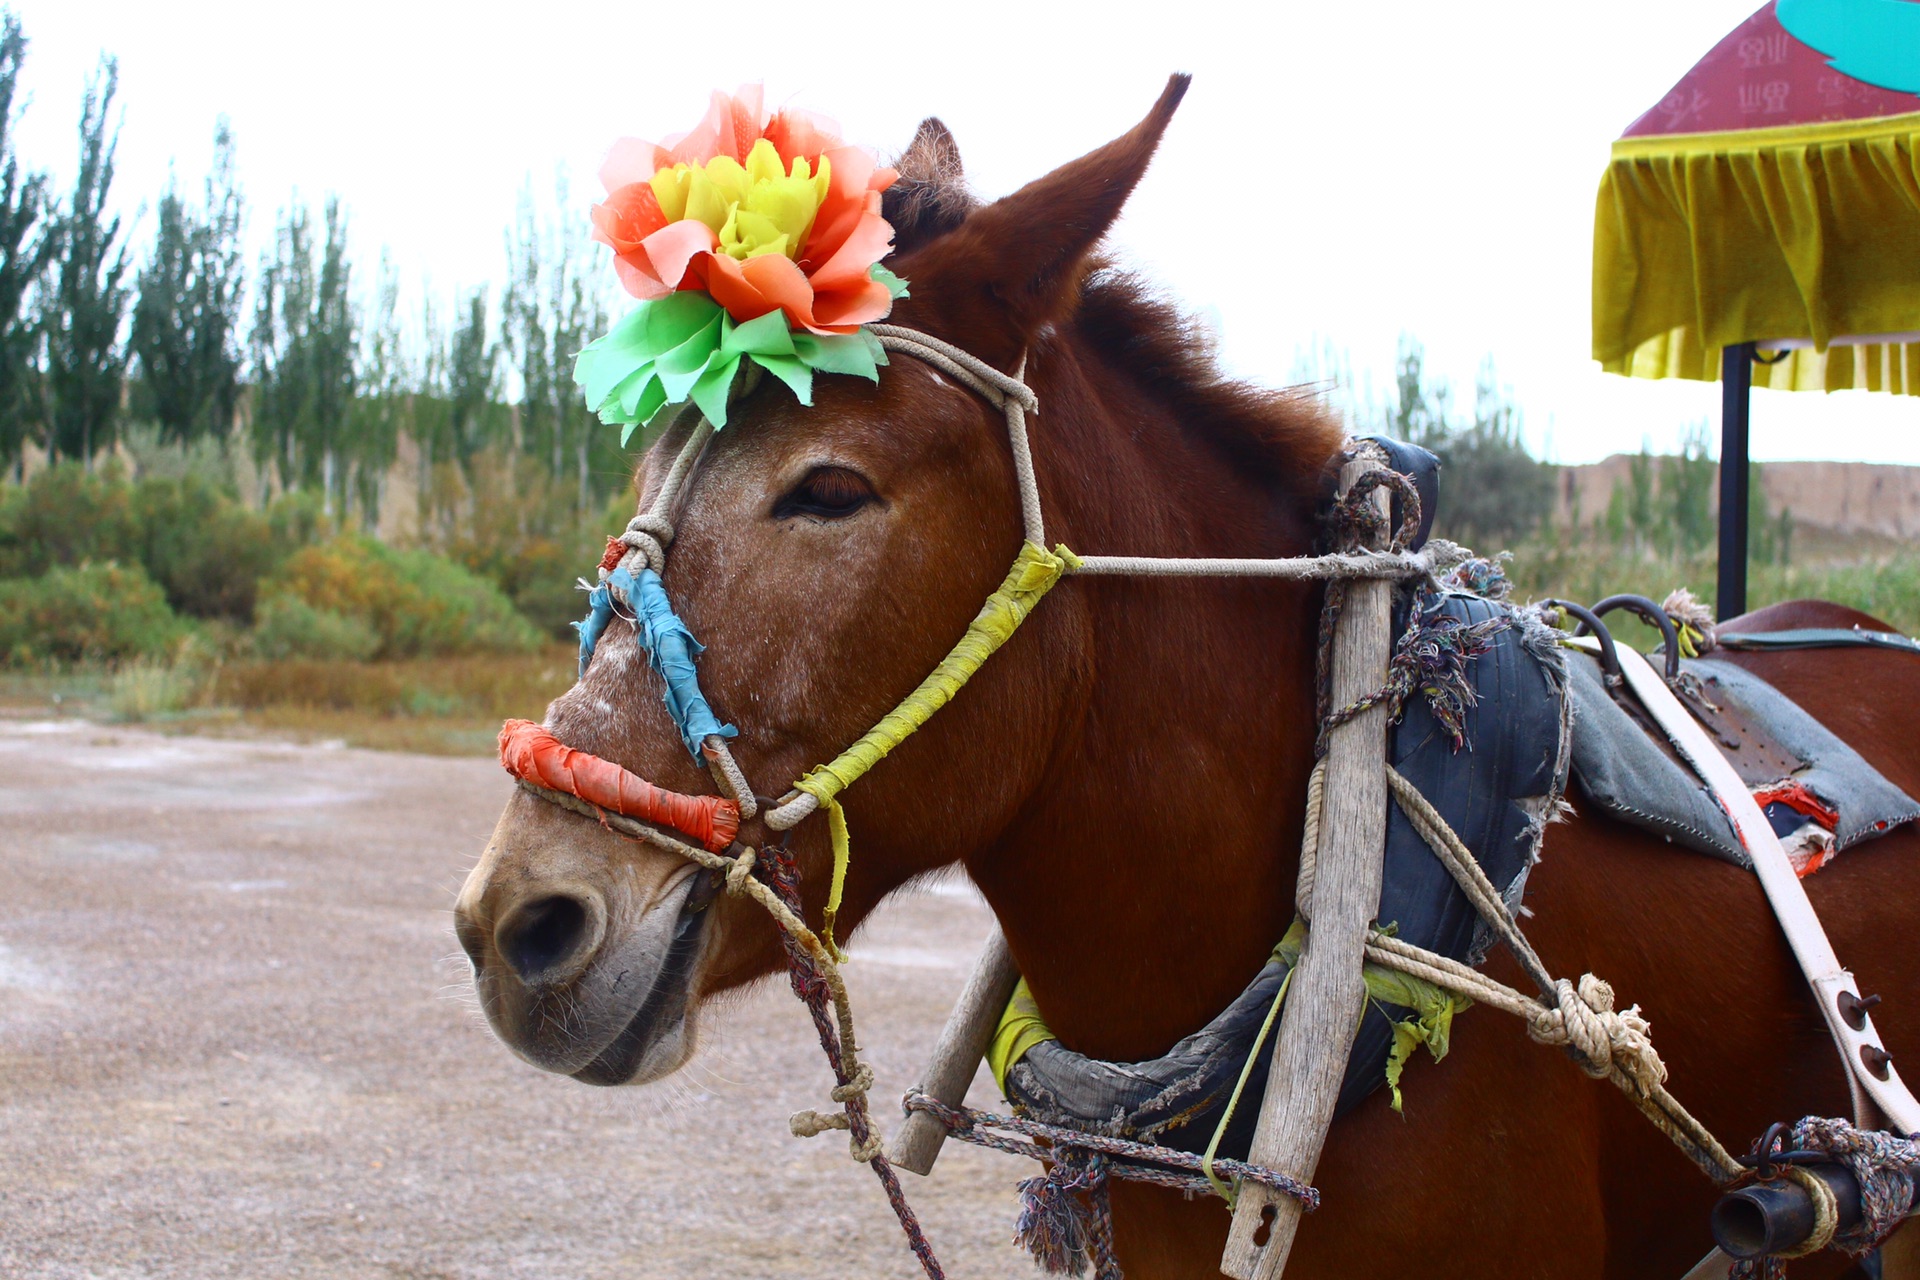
930, 198
1030, 248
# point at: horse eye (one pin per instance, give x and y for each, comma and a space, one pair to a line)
827, 493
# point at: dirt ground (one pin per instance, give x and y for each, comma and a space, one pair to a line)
237, 1039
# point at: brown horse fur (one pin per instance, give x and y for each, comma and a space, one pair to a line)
1124, 779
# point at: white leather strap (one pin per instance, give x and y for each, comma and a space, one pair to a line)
1896, 1105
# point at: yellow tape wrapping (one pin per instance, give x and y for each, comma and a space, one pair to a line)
1033, 574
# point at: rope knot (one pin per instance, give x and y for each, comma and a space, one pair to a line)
856, 1087
740, 874
1583, 1020
647, 538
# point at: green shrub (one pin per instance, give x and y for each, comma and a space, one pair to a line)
539, 575
207, 551
94, 612
64, 515
417, 603
289, 627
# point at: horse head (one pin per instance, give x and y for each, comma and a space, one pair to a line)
827, 557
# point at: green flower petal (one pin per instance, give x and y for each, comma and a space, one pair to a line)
710, 392
839, 353
792, 371
895, 285
683, 365
673, 319
766, 336
685, 347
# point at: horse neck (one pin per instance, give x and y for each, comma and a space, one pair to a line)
1152, 870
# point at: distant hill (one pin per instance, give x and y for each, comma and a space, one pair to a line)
1867, 500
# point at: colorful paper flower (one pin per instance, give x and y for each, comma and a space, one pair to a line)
762, 212
755, 237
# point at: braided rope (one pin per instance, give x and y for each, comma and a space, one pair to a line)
1310, 841
1166, 1167
727, 775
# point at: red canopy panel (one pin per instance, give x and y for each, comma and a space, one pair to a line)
1760, 77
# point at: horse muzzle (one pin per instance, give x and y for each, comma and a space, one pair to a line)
578, 982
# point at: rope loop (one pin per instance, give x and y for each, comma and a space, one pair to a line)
1353, 520
740, 873
1826, 1212
647, 537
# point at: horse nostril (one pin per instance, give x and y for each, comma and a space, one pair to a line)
548, 940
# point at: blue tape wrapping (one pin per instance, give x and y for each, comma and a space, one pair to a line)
599, 614
670, 649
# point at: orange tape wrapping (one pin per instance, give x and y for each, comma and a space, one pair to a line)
529, 752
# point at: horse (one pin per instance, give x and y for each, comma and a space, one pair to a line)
1124, 780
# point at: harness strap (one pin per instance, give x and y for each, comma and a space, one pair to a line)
1791, 906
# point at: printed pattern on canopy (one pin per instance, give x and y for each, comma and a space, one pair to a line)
1771, 196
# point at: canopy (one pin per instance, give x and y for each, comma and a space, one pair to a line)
1773, 197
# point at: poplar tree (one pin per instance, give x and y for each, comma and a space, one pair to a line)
381, 406
186, 320
24, 249
551, 310
86, 359
473, 383
525, 322
330, 444
277, 345
303, 356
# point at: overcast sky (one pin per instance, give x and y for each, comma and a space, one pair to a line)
1340, 174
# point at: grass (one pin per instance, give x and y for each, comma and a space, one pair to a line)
1884, 584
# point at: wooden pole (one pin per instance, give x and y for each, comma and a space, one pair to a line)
956, 1055
1326, 995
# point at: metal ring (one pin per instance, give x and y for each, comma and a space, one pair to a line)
1609, 654
1653, 613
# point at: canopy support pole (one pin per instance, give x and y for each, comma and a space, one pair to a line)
1736, 394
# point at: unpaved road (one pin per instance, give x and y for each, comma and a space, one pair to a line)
237, 1039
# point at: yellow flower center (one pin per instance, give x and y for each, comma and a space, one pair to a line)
754, 208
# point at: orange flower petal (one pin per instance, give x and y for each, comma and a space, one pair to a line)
794, 132
639, 281
846, 309
670, 249
780, 280
627, 216
631, 160
866, 245
744, 113
730, 287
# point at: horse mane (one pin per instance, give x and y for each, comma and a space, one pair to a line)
1280, 437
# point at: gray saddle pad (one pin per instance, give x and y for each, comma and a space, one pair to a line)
1625, 768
